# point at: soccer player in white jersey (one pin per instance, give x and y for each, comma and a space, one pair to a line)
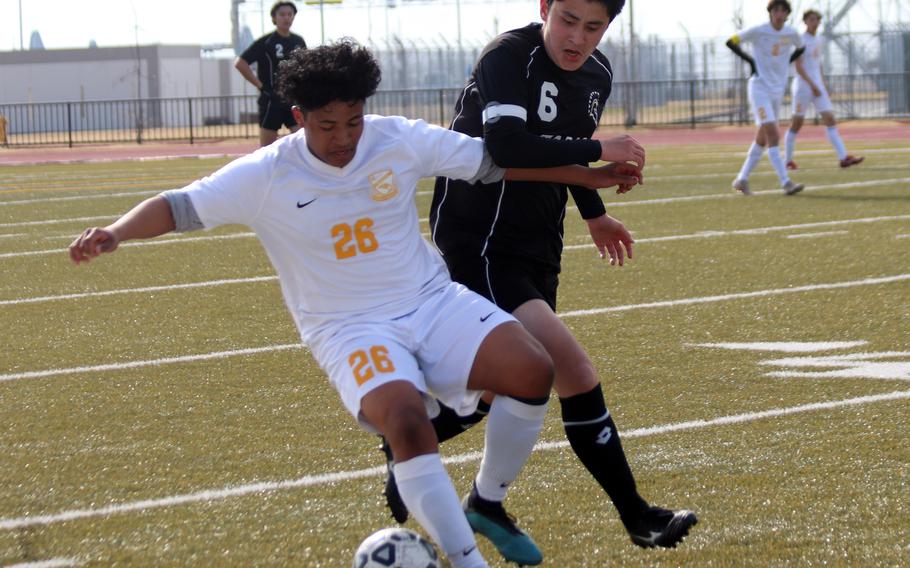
774, 46
334, 208
812, 89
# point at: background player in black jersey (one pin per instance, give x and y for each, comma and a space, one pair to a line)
267, 52
536, 96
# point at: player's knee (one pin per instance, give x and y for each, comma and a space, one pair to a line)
579, 371
409, 432
538, 371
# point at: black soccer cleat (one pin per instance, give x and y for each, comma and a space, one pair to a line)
392, 496
661, 527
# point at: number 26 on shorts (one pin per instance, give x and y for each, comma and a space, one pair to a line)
365, 364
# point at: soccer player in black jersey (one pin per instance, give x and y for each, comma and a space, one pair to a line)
267, 52
536, 96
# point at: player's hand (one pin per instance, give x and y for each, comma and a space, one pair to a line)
91, 243
611, 237
816, 92
622, 148
621, 174
753, 71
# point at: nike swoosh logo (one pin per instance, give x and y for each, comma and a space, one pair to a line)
302, 205
467, 551
486, 317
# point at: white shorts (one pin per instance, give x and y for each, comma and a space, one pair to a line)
432, 348
803, 97
765, 106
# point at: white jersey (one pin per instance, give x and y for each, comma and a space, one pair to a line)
812, 58
771, 51
345, 242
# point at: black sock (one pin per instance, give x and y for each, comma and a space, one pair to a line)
448, 424
595, 440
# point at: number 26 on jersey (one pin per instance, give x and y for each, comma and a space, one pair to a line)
351, 240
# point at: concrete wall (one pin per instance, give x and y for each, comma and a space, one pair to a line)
114, 73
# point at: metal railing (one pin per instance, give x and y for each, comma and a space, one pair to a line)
644, 103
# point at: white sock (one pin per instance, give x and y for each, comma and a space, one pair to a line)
512, 430
427, 490
789, 145
778, 163
752, 158
837, 142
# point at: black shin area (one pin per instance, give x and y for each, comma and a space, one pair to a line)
448, 424
595, 440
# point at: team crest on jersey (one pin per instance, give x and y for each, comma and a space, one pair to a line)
383, 185
594, 106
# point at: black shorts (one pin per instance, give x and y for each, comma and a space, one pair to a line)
273, 113
507, 281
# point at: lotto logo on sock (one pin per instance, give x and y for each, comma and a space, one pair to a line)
604, 436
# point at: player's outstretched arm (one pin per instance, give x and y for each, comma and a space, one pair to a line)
619, 174
733, 45
611, 238
150, 218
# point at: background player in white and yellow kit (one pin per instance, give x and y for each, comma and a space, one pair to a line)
810, 88
774, 46
333, 206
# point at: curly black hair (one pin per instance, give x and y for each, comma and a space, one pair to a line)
341, 71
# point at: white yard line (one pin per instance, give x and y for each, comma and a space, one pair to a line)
698, 235
51, 563
576, 313
166, 288
739, 296
56, 199
148, 243
816, 235
147, 363
340, 476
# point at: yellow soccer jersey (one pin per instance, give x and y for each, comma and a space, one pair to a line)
771, 50
345, 242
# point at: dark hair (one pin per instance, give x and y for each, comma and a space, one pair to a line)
614, 7
810, 12
340, 71
783, 3
277, 6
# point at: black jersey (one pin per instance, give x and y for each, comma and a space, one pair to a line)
531, 113
267, 52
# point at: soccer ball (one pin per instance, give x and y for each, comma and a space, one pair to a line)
396, 548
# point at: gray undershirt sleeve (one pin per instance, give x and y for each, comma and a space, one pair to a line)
185, 216
488, 171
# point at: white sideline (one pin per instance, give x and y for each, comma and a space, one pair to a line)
326, 478
575, 313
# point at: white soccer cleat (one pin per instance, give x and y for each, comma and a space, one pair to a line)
742, 186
